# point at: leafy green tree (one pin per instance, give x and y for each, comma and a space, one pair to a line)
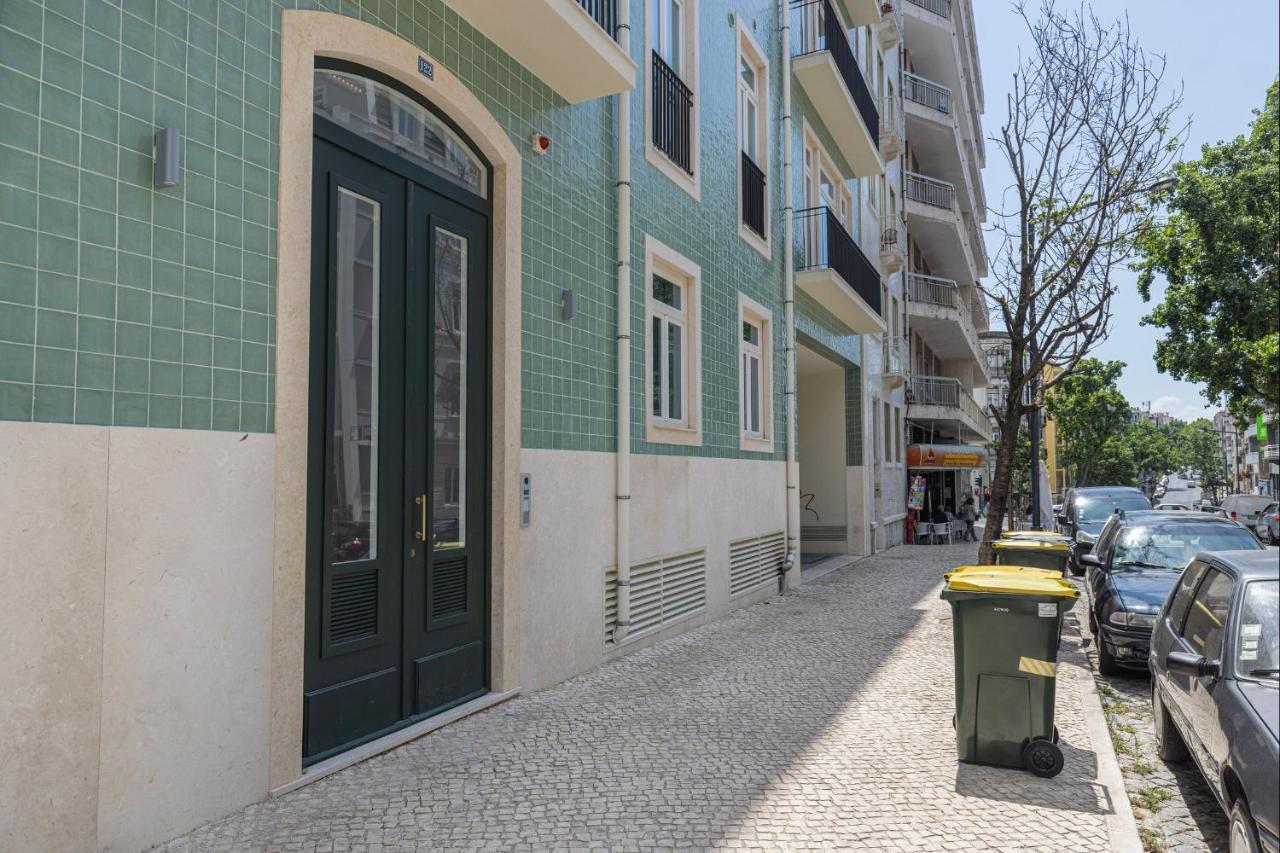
1220, 252
1089, 411
1115, 465
1201, 452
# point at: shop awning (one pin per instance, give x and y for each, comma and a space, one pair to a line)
945, 457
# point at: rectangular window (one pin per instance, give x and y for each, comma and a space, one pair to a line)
753, 114
667, 350
888, 433
752, 402
897, 434
754, 360
672, 94
671, 358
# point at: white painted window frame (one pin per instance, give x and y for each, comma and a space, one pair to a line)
662, 260
751, 311
749, 51
688, 71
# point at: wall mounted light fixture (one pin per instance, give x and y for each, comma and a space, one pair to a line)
167, 157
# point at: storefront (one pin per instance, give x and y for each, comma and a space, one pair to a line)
942, 476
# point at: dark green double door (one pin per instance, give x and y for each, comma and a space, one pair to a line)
396, 597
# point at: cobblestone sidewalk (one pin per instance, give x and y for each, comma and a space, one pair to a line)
819, 720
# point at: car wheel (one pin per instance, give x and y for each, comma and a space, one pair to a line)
1169, 743
1106, 661
1244, 834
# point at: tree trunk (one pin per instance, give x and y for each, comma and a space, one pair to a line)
1001, 482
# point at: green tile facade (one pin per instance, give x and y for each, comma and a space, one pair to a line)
123, 304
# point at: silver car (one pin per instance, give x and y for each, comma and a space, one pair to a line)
1215, 683
1268, 524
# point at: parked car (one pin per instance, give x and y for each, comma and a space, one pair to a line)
1085, 509
1132, 570
1268, 524
1172, 508
1215, 686
1244, 508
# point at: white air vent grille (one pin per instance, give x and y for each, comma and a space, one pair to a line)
755, 561
662, 591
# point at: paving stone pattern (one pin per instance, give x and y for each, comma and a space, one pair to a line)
1175, 809
820, 720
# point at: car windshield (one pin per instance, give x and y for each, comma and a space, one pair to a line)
1258, 642
1099, 509
1172, 546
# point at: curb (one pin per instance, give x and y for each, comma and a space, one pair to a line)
1122, 826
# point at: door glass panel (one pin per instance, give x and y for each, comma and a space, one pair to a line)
675, 372
389, 119
354, 509
449, 408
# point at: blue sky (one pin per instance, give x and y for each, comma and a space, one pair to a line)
1225, 55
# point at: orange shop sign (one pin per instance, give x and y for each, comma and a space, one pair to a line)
942, 457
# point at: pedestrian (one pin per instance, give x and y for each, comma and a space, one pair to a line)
970, 515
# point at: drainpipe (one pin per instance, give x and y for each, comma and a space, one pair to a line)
788, 301
622, 502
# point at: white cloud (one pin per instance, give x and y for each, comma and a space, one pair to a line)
1183, 410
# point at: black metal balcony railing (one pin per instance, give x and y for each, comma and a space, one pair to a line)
672, 108
930, 191
753, 184
926, 93
937, 7
825, 244
604, 13
818, 27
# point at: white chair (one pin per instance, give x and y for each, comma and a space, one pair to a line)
923, 531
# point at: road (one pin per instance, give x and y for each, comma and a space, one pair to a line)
1179, 491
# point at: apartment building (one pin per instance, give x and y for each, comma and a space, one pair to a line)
1261, 455
364, 364
944, 206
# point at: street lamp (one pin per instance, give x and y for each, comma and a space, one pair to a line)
1033, 416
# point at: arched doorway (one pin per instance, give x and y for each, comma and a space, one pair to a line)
397, 544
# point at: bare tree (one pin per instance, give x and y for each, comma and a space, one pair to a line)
1087, 136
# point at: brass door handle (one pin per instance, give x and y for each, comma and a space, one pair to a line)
421, 534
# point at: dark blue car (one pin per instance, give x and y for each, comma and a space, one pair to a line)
1133, 568
1215, 686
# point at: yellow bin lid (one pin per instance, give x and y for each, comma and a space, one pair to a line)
1029, 571
1031, 545
1050, 535
1013, 580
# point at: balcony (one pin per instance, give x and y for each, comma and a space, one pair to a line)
935, 221
1271, 453
893, 243
568, 44
895, 363
861, 12
928, 94
832, 270
824, 66
943, 398
940, 313
893, 128
890, 28
941, 8
672, 108
753, 197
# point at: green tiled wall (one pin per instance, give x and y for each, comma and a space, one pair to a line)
127, 305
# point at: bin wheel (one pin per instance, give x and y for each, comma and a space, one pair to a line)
1043, 758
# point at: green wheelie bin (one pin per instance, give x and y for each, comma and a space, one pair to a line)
1006, 621
1040, 553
